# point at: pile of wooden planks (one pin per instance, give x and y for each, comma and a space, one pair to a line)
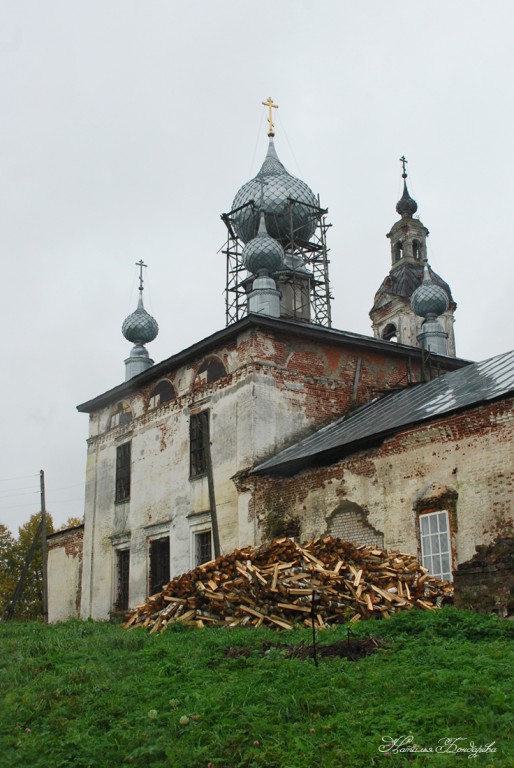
326, 581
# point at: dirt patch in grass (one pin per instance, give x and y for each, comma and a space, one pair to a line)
353, 649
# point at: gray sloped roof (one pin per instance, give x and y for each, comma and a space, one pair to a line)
405, 278
454, 391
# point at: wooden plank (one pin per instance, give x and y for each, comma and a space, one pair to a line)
279, 622
275, 578
358, 577
187, 615
256, 573
292, 607
251, 611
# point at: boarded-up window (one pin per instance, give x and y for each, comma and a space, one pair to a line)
123, 571
199, 443
159, 564
203, 547
123, 472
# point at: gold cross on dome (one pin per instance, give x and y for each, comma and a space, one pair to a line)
271, 106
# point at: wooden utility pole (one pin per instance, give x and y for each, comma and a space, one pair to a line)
212, 497
43, 545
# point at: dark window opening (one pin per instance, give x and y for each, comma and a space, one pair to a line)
398, 251
416, 249
163, 393
199, 443
389, 333
123, 570
159, 564
203, 548
123, 472
211, 370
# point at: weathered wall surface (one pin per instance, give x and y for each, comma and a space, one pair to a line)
64, 574
463, 464
276, 388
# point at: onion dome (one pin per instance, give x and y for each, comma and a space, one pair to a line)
406, 205
273, 187
429, 300
263, 255
140, 327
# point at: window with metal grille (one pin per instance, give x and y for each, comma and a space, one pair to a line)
199, 443
123, 472
435, 544
159, 564
123, 570
203, 547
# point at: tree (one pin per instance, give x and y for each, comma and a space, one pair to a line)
7, 567
30, 601
71, 522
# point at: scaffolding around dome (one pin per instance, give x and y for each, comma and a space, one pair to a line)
304, 281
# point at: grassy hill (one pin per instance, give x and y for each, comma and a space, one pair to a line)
88, 694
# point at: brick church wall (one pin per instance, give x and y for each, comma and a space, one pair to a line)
463, 463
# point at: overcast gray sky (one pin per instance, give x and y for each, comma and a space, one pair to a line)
127, 127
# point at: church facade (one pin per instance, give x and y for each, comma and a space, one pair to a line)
176, 468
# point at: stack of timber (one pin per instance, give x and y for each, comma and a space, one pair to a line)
326, 581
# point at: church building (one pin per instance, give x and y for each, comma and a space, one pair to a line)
209, 449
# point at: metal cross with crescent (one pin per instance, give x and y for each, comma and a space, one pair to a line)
141, 264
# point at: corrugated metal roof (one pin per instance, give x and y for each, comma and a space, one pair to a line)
469, 386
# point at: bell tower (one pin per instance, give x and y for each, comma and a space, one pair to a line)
392, 315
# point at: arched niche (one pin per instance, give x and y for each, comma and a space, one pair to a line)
121, 414
210, 370
163, 392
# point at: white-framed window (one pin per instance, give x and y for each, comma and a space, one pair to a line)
436, 555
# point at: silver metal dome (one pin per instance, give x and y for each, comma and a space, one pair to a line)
140, 327
429, 300
270, 190
263, 255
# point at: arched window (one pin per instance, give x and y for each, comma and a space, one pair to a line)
210, 370
163, 392
389, 333
120, 414
416, 249
398, 251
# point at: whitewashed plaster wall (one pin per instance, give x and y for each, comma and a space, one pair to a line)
249, 417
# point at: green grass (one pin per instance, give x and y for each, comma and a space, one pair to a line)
86, 694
